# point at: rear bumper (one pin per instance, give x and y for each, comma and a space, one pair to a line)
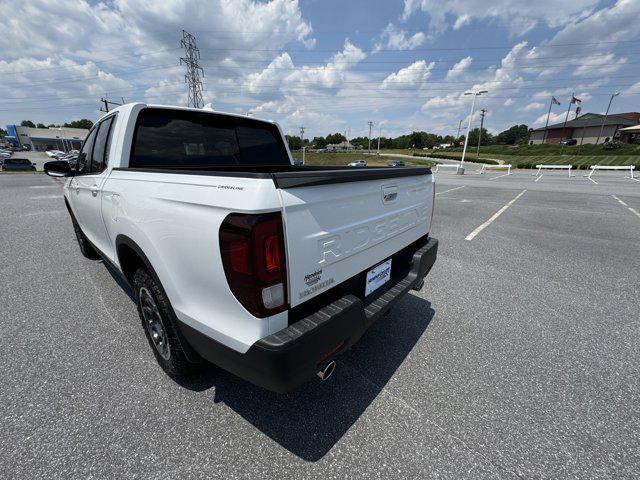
282, 361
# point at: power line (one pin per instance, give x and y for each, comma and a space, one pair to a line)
192, 77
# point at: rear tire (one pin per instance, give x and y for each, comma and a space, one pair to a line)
157, 318
86, 248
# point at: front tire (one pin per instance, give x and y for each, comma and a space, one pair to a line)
156, 317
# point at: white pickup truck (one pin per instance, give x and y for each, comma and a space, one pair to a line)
235, 255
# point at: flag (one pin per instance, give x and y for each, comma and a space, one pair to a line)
575, 100
555, 100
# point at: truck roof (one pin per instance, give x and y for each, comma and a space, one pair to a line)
130, 106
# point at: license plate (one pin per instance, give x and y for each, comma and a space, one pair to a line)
378, 276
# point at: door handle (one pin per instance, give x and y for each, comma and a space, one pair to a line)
94, 190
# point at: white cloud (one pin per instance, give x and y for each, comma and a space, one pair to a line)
553, 118
517, 16
399, 39
459, 68
414, 75
532, 107
508, 102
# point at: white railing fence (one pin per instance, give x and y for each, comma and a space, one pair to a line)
486, 167
553, 167
629, 168
448, 165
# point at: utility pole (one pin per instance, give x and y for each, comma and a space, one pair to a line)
302, 142
379, 134
605, 116
466, 138
107, 102
370, 123
194, 70
482, 114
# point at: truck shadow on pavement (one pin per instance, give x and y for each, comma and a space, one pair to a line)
310, 421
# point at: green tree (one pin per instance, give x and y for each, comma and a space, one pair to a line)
517, 134
82, 123
487, 138
335, 138
294, 142
362, 142
3, 132
42, 125
27, 123
319, 142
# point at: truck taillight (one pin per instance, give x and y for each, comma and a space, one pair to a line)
253, 257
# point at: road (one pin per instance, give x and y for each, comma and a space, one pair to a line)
518, 359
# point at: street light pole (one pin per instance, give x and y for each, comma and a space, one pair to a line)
466, 138
605, 116
379, 133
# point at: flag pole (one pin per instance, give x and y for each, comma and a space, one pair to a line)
566, 117
544, 135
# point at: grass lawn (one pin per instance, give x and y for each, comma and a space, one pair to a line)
313, 158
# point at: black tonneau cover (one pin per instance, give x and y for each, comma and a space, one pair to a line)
312, 176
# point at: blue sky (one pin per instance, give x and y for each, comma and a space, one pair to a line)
329, 65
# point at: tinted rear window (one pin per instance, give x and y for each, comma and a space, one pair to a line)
17, 161
182, 139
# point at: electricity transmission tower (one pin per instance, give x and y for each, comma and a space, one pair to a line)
194, 70
370, 123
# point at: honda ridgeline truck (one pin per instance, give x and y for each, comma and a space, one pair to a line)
235, 255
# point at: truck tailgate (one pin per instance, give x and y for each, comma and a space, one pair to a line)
338, 228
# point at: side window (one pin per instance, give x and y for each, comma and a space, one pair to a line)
100, 150
85, 154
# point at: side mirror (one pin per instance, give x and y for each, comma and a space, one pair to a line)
58, 168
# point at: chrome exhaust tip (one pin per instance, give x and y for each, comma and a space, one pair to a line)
327, 371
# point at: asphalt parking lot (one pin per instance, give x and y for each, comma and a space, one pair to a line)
518, 359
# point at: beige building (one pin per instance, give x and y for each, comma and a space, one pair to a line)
343, 146
42, 139
630, 134
586, 128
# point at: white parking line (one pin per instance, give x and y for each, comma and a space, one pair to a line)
472, 235
45, 197
44, 186
450, 190
538, 177
632, 210
592, 180
500, 176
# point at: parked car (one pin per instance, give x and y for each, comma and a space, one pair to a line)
55, 153
236, 257
569, 141
17, 164
357, 163
396, 163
